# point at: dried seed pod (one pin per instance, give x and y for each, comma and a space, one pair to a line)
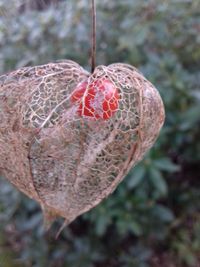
68, 137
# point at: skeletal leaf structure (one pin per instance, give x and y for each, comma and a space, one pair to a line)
66, 140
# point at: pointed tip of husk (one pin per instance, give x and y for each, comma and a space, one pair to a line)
65, 223
48, 217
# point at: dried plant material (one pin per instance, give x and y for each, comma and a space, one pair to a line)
68, 137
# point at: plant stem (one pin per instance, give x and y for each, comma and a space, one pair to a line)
93, 50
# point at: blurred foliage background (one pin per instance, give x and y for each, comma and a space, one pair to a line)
153, 218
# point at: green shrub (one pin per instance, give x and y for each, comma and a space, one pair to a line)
150, 210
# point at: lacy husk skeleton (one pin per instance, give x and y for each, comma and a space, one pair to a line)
66, 162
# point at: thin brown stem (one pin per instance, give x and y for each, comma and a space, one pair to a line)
93, 50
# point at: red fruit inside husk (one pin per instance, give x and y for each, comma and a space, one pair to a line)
98, 99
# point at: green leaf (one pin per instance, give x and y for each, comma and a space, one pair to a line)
165, 164
136, 176
163, 213
135, 228
158, 181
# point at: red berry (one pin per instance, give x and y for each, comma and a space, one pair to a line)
99, 99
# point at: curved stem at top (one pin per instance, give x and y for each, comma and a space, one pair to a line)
93, 50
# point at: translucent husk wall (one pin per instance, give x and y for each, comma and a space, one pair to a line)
67, 162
